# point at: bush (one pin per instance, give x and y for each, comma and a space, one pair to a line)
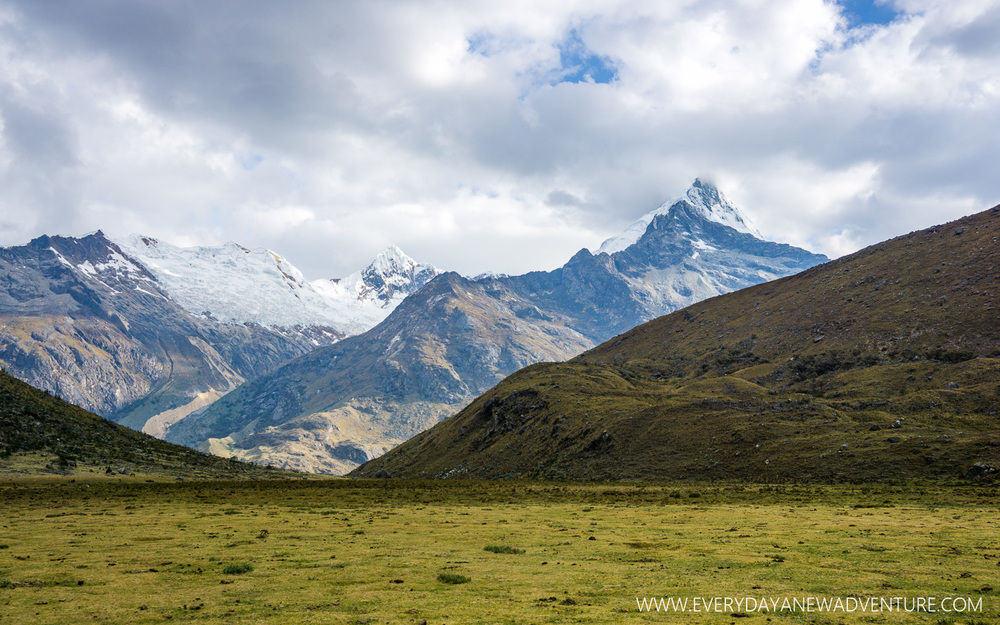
502, 549
453, 578
951, 356
237, 569
815, 365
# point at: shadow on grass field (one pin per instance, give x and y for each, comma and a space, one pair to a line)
388, 551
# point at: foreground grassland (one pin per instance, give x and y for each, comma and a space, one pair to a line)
390, 551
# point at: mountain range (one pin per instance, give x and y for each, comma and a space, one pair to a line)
882, 365
456, 337
230, 350
144, 333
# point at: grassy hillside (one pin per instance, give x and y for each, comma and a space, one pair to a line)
881, 365
41, 434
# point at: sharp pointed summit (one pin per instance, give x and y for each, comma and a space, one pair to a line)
703, 198
392, 268
383, 284
391, 258
714, 206
152, 334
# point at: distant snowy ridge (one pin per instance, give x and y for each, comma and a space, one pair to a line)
704, 198
236, 285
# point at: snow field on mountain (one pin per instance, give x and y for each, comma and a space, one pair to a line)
234, 284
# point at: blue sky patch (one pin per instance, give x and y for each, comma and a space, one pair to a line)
250, 161
868, 12
483, 44
580, 64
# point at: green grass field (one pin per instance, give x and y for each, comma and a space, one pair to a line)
387, 551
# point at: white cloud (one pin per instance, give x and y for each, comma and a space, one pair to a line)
326, 131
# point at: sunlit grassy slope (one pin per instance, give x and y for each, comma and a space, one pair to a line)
881, 365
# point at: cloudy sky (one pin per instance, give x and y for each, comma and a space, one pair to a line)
490, 136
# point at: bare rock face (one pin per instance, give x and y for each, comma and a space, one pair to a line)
147, 333
980, 470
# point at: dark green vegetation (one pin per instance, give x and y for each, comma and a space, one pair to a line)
882, 365
378, 551
502, 549
41, 434
453, 578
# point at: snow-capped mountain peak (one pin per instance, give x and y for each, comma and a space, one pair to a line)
390, 277
391, 262
714, 206
704, 198
234, 284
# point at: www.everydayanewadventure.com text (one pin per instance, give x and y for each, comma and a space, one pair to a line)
809, 604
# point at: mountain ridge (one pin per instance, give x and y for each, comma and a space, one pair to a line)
553, 315
214, 281
396, 379
86, 320
877, 366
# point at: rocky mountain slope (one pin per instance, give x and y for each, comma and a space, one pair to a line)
455, 338
43, 435
147, 332
334, 408
883, 365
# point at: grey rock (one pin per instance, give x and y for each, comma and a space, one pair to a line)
979, 470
